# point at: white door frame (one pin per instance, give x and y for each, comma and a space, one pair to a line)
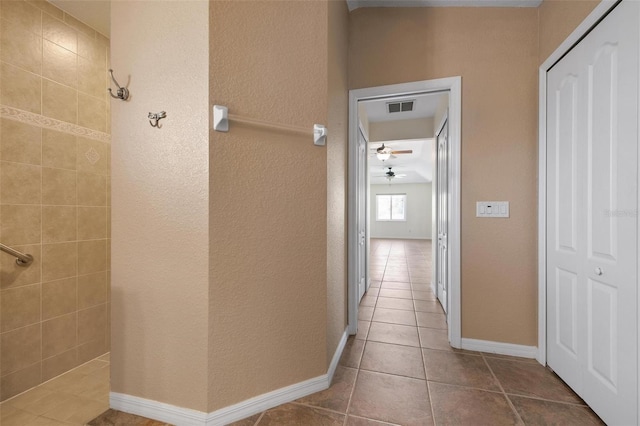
590, 21
454, 86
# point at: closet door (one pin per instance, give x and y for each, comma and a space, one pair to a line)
592, 175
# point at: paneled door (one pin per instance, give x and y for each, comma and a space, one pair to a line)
361, 209
442, 213
592, 208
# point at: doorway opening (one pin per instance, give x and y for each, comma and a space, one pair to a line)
385, 149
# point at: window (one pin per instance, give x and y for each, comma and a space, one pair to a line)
390, 207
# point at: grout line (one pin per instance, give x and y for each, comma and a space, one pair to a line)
259, 418
513, 408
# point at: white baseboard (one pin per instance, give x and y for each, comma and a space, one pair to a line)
336, 355
186, 417
500, 348
157, 410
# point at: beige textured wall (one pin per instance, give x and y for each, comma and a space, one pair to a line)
160, 178
495, 50
557, 19
54, 203
337, 143
268, 193
400, 129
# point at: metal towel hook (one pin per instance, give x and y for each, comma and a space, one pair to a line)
156, 117
122, 93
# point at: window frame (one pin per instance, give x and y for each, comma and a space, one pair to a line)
404, 202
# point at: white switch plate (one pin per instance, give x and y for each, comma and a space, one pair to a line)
492, 209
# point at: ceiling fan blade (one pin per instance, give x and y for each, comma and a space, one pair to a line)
405, 151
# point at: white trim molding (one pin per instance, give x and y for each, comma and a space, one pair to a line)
454, 86
499, 348
184, 416
594, 17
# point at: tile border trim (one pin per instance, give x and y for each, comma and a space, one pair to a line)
500, 348
184, 416
51, 123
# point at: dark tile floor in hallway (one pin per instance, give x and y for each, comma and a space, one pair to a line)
399, 369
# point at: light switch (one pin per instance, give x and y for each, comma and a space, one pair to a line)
492, 209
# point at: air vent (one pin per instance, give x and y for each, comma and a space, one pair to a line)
404, 106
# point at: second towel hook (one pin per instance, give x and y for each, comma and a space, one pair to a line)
122, 93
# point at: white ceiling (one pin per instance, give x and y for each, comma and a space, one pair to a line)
417, 166
354, 4
95, 13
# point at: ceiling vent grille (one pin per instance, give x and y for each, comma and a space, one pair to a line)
404, 106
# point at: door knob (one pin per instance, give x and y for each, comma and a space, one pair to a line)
599, 271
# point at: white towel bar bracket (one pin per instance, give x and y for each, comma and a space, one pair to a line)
221, 118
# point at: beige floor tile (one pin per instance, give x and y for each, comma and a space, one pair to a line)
29, 397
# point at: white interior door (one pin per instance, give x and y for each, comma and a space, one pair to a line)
362, 209
442, 213
592, 202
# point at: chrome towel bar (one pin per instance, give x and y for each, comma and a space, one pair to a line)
22, 259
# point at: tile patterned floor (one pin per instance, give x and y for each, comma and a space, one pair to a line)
73, 398
400, 370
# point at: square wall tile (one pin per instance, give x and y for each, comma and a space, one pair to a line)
12, 275
92, 223
48, 8
20, 348
80, 26
58, 187
59, 224
92, 290
92, 349
59, 261
19, 307
58, 364
92, 79
92, 323
59, 64
59, 335
20, 183
20, 47
19, 88
20, 224
92, 156
58, 150
92, 189
90, 48
92, 112
15, 383
23, 14
20, 143
59, 102
59, 298
92, 256
59, 33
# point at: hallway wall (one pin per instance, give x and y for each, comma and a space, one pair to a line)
54, 194
268, 199
557, 19
495, 50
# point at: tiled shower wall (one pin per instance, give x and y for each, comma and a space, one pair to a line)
54, 193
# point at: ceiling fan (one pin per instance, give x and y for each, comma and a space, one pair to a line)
384, 153
390, 174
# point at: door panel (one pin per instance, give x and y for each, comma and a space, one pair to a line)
592, 201
362, 215
442, 211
